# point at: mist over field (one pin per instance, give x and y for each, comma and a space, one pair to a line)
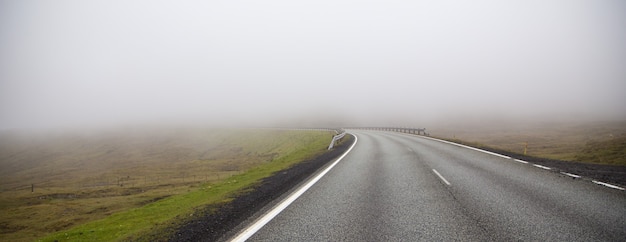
317, 63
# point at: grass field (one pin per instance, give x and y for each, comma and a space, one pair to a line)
124, 184
592, 142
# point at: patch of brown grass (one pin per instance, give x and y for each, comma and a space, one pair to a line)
612, 151
80, 177
594, 142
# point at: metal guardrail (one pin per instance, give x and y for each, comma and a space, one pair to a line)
418, 131
335, 139
342, 132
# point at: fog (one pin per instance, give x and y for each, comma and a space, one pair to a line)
315, 63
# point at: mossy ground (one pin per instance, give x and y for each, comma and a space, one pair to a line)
123, 185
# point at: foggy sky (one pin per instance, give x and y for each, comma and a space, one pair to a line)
66, 63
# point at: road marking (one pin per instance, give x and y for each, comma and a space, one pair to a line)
258, 224
607, 185
570, 174
521, 161
468, 147
542, 167
441, 177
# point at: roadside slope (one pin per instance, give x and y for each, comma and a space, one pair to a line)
155, 215
216, 221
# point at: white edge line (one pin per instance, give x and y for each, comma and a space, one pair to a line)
525, 162
521, 161
441, 177
607, 185
258, 224
469, 147
570, 174
542, 167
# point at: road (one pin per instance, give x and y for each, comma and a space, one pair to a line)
398, 187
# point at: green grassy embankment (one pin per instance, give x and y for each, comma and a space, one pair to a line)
216, 166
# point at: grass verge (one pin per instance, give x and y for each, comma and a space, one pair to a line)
587, 142
240, 158
609, 152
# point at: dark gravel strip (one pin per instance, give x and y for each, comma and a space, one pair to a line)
212, 225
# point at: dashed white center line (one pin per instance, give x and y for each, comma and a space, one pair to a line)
441, 177
607, 185
542, 167
570, 174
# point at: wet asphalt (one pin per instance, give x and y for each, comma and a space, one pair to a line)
398, 187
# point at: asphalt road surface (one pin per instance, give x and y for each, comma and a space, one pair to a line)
398, 187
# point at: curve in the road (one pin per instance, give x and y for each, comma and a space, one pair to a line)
258, 224
402, 187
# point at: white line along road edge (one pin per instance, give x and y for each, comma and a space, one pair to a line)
608, 185
468, 147
521, 161
570, 174
542, 167
258, 224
